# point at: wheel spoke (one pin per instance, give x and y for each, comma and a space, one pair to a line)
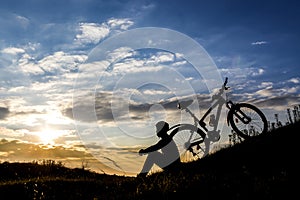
257, 124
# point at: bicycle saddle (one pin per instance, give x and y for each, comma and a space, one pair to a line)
184, 104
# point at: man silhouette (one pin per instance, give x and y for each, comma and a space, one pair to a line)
167, 158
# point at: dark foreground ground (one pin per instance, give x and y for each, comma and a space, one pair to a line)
263, 167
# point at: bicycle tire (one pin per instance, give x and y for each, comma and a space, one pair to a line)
184, 141
257, 125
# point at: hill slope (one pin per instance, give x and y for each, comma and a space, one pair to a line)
261, 167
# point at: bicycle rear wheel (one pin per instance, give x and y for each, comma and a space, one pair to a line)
257, 123
190, 142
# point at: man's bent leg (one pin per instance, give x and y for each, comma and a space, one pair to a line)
153, 158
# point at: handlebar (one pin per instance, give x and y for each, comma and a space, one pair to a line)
184, 104
221, 91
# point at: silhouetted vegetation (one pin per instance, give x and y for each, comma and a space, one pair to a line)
261, 167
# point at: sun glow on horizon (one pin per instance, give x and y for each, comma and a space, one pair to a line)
48, 136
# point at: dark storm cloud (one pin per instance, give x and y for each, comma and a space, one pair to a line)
171, 104
4, 112
280, 101
89, 108
103, 110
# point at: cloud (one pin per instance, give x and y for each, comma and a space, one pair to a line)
56, 63
259, 43
13, 26
134, 88
93, 33
242, 73
119, 53
275, 90
294, 80
23, 21
270, 95
265, 85
122, 24
18, 150
162, 57
34, 87
23, 134
13, 50
109, 107
277, 103
257, 72
86, 108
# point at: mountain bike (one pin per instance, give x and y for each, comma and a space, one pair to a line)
194, 140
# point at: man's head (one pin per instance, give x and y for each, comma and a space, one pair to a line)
162, 128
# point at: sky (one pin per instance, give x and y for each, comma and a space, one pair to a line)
85, 81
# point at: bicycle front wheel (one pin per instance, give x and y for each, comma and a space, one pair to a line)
190, 142
255, 124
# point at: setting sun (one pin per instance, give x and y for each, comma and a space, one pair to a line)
48, 136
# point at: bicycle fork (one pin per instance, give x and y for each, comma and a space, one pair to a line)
235, 110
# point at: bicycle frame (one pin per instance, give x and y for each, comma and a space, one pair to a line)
220, 103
